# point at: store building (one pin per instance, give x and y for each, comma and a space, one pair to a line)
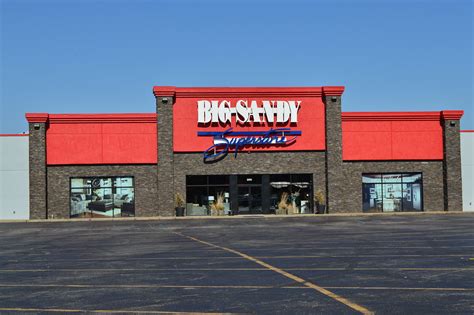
247, 148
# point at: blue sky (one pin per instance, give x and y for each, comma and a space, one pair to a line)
105, 56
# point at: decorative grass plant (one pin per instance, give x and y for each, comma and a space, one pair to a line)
217, 207
283, 204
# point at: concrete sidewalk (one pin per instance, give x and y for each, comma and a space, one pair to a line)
245, 216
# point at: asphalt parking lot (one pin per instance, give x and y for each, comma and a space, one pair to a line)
420, 264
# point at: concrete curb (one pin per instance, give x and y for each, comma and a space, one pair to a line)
237, 217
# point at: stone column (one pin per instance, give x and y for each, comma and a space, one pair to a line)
334, 172
165, 97
38, 171
452, 160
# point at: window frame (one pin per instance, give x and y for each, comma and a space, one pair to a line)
402, 174
112, 187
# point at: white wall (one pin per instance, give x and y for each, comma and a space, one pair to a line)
467, 164
14, 178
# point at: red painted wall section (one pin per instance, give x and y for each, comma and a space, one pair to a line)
100, 139
392, 136
311, 123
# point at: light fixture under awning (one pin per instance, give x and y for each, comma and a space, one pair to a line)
279, 185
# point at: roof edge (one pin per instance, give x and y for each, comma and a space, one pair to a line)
190, 92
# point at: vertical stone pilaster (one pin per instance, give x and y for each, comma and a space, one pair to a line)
334, 170
38, 170
165, 178
452, 160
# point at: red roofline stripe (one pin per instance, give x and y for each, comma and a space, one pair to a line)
408, 116
246, 91
37, 117
333, 90
452, 114
14, 134
384, 116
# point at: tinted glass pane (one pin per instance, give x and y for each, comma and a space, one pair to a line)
215, 191
412, 197
301, 178
196, 180
392, 197
299, 182
372, 197
79, 182
79, 200
244, 200
106, 182
412, 178
371, 178
101, 182
392, 178
197, 195
124, 202
280, 178
297, 188
255, 199
249, 179
218, 180
123, 182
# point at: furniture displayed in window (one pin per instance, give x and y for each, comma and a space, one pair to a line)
102, 196
392, 192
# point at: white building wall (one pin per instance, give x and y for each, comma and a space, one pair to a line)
14, 178
467, 166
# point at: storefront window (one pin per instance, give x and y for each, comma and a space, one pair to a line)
203, 190
100, 197
249, 194
391, 192
298, 190
411, 190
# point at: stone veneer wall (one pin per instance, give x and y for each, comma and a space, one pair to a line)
37, 159
251, 163
432, 173
165, 176
452, 165
334, 175
145, 177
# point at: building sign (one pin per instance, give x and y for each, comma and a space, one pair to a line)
227, 140
246, 112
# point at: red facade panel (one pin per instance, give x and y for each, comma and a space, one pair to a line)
311, 122
392, 137
366, 145
82, 142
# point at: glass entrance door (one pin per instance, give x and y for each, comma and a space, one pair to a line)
250, 199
